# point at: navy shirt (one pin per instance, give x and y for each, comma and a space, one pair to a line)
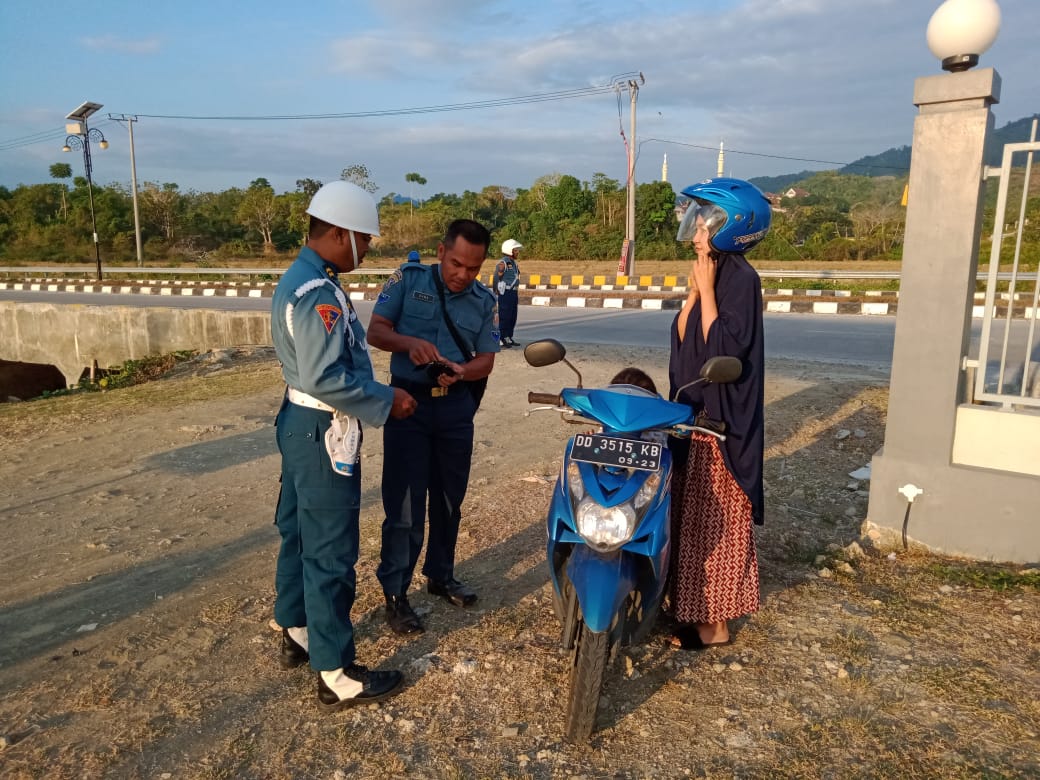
409, 299
736, 332
507, 271
321, 344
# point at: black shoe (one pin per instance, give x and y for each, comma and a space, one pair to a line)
401, 616
511, 342
375, 686
292, 654
458, 593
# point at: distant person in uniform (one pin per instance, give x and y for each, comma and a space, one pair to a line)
331, 392
428, 455
507, 282
414, 257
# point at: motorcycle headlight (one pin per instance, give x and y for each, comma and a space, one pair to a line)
605, 528
574, 483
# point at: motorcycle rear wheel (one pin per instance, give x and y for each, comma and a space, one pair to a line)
590, 661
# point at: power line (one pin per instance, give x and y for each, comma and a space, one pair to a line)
565, 94
44, 136
771, 156
475, 105
618, 84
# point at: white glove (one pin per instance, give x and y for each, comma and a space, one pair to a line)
343, 443
501, 287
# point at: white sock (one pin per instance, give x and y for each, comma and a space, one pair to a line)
299, 636
341, 685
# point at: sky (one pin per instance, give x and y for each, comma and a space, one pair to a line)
780, 82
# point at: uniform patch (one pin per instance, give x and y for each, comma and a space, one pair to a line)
496, 334
383, 297
329, 314
422, 296
393, 279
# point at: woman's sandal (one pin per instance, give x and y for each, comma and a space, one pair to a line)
689, 638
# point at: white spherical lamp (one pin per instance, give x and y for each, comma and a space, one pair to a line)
960, 30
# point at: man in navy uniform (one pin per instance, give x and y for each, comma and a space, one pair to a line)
331, 391
429, 453
507, 282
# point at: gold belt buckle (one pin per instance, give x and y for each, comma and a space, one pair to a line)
438, 392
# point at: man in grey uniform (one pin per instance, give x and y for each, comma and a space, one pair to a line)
331, 391
421, 315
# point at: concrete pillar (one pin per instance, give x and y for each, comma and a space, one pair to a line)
962, 510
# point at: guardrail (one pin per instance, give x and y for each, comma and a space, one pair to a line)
137, 271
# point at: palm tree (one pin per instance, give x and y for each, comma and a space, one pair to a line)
62, 171
413, 178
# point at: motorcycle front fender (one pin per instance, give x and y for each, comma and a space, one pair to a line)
601, 583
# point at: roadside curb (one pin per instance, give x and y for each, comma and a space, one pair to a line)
606, 296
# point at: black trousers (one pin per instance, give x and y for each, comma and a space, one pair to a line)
426, 457
508, 305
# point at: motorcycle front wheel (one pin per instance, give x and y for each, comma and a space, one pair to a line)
590, 661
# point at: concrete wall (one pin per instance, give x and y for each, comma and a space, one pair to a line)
71, 337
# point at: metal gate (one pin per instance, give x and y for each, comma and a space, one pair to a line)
1009, 351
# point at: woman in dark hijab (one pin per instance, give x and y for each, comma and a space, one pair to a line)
717, 493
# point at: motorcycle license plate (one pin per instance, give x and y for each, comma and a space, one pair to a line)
615, 451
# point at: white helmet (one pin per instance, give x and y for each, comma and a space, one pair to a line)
510, 245
347, 206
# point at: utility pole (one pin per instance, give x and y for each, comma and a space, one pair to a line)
629, 255
133, 181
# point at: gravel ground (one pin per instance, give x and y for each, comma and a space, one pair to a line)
135, 611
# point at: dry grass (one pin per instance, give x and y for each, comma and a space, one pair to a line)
876, 674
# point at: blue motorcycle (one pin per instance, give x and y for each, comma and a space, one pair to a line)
608, 523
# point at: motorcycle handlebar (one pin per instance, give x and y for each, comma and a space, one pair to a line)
544, 398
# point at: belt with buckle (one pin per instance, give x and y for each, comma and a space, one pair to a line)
301, 398
421, 389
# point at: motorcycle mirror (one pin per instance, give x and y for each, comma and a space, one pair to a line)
544, 352
719, 370
722, 369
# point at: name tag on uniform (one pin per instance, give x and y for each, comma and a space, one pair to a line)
422, 296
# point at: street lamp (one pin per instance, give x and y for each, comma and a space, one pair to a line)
80, 136
960, 30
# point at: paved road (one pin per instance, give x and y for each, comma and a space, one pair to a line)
827, 338
816, 337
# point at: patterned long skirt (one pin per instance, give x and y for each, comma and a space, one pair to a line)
713, 568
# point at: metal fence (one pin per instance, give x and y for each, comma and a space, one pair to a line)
1008, 370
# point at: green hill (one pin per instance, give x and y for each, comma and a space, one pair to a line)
896, 161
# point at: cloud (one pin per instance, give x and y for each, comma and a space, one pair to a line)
122, 46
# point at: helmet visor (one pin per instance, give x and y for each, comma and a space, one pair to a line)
710, 215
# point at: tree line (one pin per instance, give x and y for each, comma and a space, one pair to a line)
827, 216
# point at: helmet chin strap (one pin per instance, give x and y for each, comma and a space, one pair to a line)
353, 248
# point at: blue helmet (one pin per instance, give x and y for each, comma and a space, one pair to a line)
735, 212
413, 257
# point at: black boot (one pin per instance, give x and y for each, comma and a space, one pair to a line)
292, 653
359, 685
401, 616
451, 590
